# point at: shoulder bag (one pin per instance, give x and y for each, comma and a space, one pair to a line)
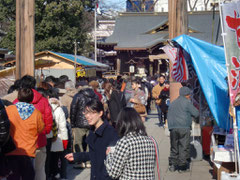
140, 108
157, 156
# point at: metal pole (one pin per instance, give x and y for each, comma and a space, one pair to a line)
95, 31
75, 60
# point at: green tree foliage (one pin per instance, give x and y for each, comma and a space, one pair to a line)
58, 23
7, 24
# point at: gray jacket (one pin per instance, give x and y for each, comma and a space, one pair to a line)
180, 113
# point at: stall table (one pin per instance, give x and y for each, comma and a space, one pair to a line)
223, 160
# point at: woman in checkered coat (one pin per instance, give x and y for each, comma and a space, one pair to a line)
133, 157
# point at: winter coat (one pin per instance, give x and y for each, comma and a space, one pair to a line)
4, 125
180, 113
128, 93
156, 92
11, 97
41, 103
133, 158
67, 98
164, 96
25, 127
139, 97
98, 142
59, 117
79, 101
6, 143
116, 102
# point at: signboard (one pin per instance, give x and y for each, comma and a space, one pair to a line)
90, 72
229, 141
131, 69
141, 70
80, 72
231, 36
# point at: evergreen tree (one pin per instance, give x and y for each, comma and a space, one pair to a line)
58, 23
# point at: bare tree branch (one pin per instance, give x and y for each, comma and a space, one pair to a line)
194, 4
206, 4
189, 4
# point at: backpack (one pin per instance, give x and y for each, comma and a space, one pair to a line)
54, 131
54, 128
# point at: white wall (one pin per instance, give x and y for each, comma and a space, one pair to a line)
162, 5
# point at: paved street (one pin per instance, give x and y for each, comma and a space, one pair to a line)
200, 170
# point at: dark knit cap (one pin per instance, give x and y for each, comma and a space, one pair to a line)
184, 91
81, 83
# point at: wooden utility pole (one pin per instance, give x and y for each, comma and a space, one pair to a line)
24, 38
178, 25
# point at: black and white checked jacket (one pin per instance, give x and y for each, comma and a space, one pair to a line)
133, 159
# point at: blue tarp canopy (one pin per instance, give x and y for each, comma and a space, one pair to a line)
210, 66
81, 60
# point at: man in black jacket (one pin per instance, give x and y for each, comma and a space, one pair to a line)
79, 123
6, 142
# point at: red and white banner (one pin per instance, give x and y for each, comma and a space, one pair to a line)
171, 52
231, 35
179, 70
97, 8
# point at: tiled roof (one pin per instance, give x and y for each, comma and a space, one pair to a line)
133, 30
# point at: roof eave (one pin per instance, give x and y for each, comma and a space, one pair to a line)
129, 48
3, 51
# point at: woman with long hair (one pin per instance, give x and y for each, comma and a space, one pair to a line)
116, 101
101, 136
133, 157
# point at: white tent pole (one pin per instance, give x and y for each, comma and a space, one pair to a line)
236, 147
95, 31
223, 36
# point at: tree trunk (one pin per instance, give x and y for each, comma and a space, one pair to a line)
178, 24
24, 38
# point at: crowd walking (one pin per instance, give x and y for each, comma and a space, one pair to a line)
95, 123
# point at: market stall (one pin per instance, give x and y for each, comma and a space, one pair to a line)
207, 77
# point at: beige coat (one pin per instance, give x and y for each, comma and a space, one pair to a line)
11, 97
156, 92
66, 99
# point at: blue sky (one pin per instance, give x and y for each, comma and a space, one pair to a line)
119, 3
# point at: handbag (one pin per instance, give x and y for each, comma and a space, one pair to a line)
140, 108
157, 156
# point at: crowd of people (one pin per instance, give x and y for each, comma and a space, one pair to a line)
95, 123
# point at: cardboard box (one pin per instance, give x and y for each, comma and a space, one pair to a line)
228, 167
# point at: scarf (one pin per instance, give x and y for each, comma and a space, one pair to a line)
25, 110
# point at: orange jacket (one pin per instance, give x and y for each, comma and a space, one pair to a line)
24, 132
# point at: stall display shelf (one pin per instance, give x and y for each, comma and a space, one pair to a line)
222, 154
